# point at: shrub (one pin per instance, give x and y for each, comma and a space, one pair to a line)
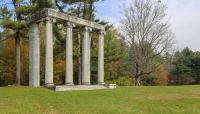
122, 81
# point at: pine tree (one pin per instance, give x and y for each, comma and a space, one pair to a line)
16, 20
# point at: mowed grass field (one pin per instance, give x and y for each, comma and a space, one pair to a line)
123, 100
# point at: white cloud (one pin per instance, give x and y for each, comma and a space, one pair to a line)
184, 17
185, 20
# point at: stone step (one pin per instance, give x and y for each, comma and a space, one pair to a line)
79, 87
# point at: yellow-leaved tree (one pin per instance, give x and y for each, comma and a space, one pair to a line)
161, 75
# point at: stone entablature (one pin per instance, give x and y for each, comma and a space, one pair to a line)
59, 16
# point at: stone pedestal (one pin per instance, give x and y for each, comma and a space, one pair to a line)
79, 87
34, 56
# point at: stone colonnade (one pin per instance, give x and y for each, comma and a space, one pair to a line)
34, 54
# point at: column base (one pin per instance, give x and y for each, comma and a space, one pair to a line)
101, 83
49, 85
69, 84
34, 85
86, 83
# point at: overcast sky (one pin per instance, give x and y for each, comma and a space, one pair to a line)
184, 17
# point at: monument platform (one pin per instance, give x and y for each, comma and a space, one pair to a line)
79, 87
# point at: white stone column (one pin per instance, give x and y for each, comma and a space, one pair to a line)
34, 55
101, 59
69, 54
89, 54
85, 57
49, 53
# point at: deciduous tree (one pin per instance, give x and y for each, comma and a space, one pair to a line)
148, 34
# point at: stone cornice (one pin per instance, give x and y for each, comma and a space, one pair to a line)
41, 15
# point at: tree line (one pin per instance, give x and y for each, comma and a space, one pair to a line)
139, 52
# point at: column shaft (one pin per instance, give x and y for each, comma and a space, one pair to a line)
89, 55
49, 53
69, 55
85, 57
34, 56
101, 59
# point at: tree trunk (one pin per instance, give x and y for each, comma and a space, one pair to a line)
137, 81
137, 77
18, 60
91, 10
17, 47
85, 8
88, 10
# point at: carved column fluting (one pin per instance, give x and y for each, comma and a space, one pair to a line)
34, 55
85, 57
101, 59
69, 54
49, 53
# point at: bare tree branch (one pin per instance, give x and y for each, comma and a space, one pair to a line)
148, 35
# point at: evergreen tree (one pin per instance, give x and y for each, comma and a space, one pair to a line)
17, 20
186, 67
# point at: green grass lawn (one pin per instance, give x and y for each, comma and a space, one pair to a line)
123, 100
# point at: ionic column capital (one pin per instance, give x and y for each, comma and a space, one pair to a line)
69, 24
50, 20
88, 29
102, 32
